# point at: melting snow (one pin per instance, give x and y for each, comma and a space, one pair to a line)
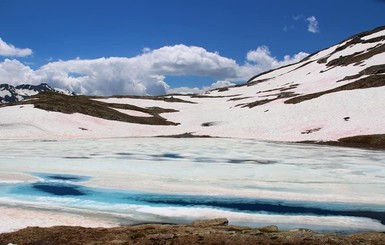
121, 173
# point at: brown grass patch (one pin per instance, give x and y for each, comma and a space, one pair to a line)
372, 70
367, 82
281, 95
239, 98
85, 105
373, 142
356, 57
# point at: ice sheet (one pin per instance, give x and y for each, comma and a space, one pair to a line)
144, 180
15, 218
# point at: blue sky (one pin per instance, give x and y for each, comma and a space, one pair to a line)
161, 43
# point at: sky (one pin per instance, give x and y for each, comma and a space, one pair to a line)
153, 47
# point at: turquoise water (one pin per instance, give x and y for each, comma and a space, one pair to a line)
178, 180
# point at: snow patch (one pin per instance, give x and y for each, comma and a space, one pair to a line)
374, 35
4, 93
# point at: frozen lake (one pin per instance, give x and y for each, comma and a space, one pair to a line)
108, 182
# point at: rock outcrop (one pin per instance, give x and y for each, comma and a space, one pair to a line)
11, 94
200, 232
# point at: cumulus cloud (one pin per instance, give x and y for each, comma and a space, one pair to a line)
221, 84
257, 61
144, 74
185, 90
10, 50
14, 72
195, 90
262, 57
104, 76
312, 24
261, 60
140, 75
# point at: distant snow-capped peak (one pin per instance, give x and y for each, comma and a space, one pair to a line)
10, 93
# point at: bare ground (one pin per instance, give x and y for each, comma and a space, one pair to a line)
200, 232
85, 105
372, 142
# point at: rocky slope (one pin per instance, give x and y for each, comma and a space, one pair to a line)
11, 94
335, 95
200, 232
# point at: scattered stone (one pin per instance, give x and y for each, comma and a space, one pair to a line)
238, 228
268, 229
208, 124
210, 223
161, 236
207, 232
301, 230
313, 130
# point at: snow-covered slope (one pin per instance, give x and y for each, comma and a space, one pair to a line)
9, 93
336, 93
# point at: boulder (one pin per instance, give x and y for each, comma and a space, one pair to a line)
267, 229
210, 222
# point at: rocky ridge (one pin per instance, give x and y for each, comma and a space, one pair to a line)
12, 94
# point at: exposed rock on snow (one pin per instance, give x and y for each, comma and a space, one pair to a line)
10, 94
109, 111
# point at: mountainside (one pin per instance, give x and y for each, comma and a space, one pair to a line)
335, 94
10, 94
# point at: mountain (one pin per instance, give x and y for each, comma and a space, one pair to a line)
11, 94
334, 95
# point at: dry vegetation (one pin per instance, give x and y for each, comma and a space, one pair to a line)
373, 142
367, 82
85, 105
200, 232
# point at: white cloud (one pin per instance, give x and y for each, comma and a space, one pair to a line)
221, 84
104, 76
14, 72
189, 60
262, 57
141, 75
146, 50
184, 90
287, 59
188, 90
144, 74
10, 50
261, 60
312, 24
